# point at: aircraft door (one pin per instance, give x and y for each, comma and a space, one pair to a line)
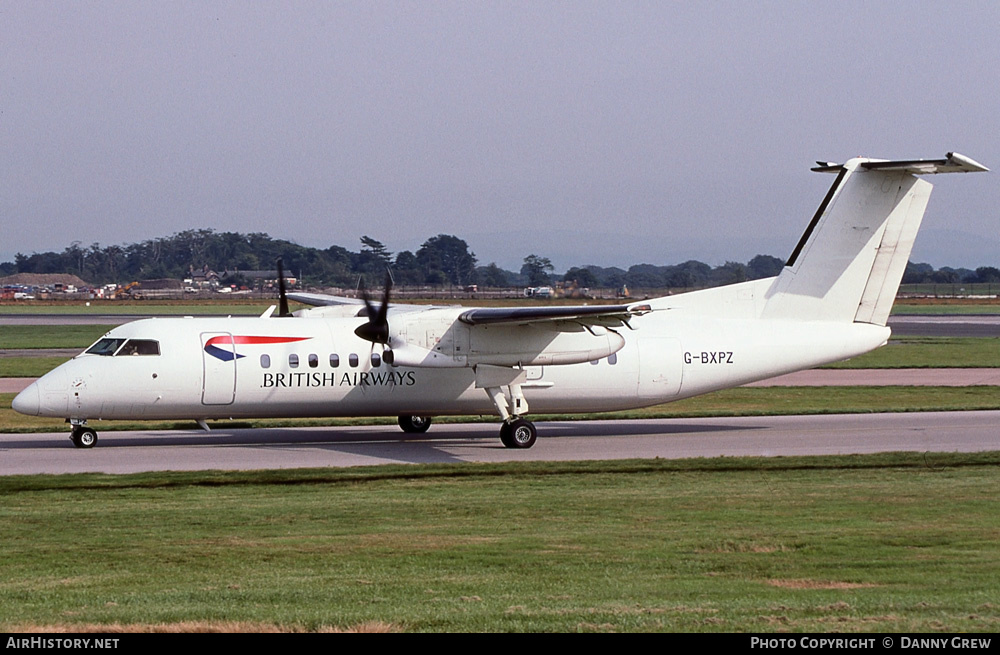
218, 354
660, 366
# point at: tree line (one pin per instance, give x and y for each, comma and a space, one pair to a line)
442, 260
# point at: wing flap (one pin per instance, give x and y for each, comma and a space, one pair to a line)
606, 315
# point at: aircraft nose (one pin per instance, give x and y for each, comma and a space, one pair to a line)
28, 401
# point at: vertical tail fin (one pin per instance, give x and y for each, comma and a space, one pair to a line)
848, 264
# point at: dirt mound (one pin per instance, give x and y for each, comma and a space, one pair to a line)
43, 279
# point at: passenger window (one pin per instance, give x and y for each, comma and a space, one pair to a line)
352, 360
376, 360
334, 361
293, 360
313, 361
613, 359
265, 361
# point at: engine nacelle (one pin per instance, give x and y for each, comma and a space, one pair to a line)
437, 339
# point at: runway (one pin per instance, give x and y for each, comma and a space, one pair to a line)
772, 436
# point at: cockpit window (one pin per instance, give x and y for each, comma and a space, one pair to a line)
140, 347
120, 347
106, 347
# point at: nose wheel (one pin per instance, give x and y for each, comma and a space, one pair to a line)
519, 433
83, 437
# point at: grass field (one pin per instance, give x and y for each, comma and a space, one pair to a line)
905, 542
28, 367
881, 543
50, 336
930, 352
140, 308
945, 309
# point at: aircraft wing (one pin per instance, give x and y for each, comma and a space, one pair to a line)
607, 315
323, 300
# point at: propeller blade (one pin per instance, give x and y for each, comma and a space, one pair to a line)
282, 296
369, 310
383, 311
376, 329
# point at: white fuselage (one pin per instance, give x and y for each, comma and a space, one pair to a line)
830, 302
299, 367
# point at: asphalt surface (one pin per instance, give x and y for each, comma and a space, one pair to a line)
771, 436
952, 325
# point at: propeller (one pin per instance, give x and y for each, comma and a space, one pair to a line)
376, 329
282, 297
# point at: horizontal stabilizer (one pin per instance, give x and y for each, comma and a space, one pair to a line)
952, 163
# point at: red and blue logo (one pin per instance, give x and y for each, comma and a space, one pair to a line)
217, 346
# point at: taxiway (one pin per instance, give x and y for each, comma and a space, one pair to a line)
273, 448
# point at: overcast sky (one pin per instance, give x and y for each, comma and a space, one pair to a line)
609, 133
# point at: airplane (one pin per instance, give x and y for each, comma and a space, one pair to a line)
349, 357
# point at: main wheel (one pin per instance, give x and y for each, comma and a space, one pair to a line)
519, 433
84, 437
415, 424
505, 435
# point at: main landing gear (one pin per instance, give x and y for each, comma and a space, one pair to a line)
415, 424
515, 431
518, 433
83, 437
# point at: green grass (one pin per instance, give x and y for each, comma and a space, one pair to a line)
140, 308
28, 367
50, 336
930, 352
887, 543
742, 401
943, 309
